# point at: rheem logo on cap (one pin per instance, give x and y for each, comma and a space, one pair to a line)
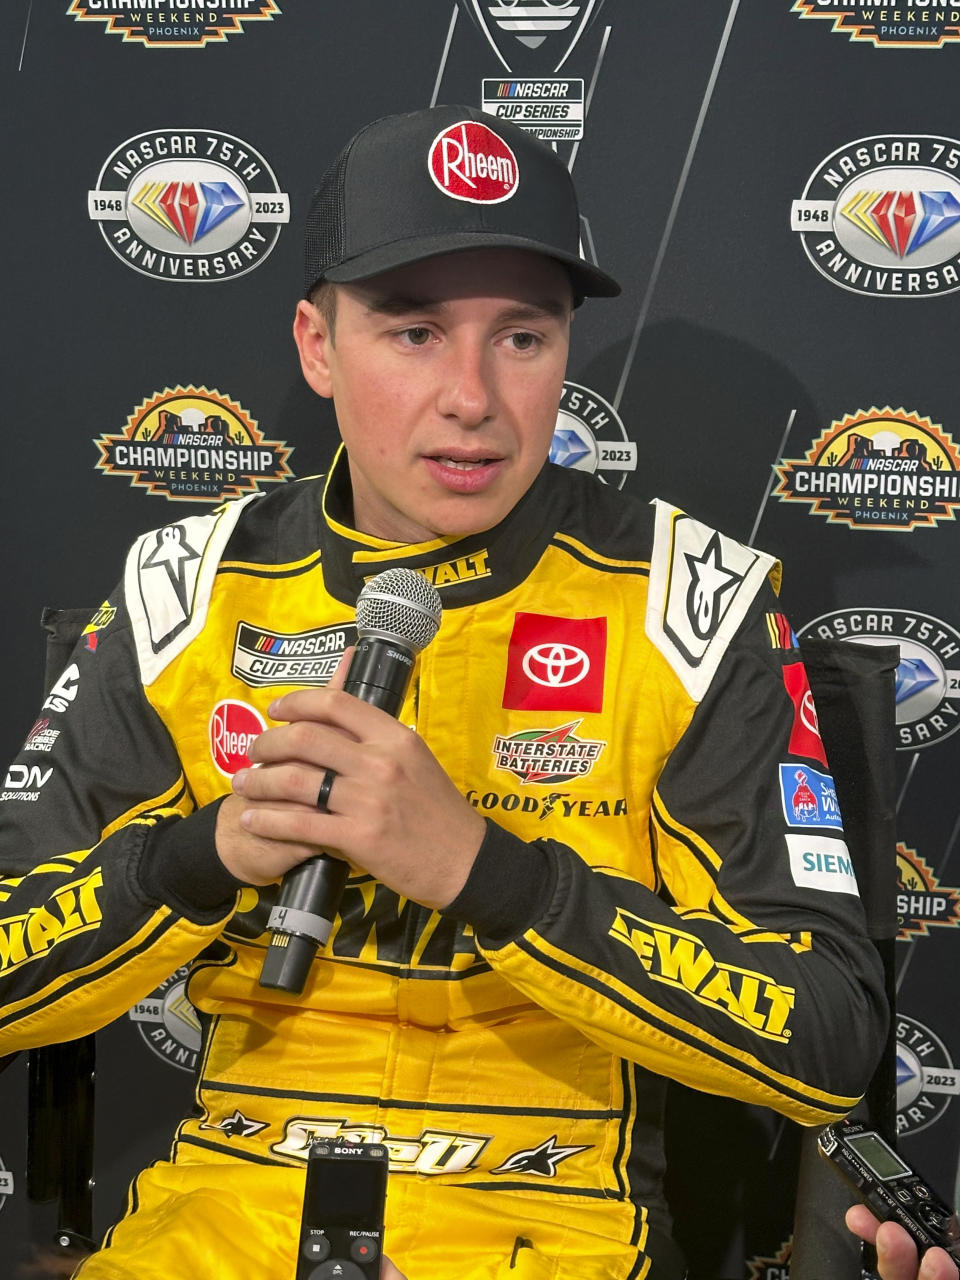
468, 161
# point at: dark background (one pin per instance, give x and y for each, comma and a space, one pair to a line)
705, 122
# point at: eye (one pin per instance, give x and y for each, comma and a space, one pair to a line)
524, 341
417, 335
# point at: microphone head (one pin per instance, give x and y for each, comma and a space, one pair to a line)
399, 605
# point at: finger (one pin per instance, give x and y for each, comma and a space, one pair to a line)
334, 707
896, 1253
292, 824
294, 784
306, 742
938, 1265
862, 1223
343, 666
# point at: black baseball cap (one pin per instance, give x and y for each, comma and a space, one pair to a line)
409, 187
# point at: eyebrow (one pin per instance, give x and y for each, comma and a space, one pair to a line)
398, 304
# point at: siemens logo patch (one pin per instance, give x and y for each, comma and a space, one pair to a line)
809, 797
263, 657
820, 862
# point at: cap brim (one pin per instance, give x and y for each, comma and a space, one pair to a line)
587, 280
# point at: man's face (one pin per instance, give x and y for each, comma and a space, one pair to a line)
446, 376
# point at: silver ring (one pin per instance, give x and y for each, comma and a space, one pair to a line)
326, 786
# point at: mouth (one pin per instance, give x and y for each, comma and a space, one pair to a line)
462, 464
464, 473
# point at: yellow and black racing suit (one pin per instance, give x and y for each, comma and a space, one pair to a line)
663, 890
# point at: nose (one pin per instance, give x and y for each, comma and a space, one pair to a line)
467, 391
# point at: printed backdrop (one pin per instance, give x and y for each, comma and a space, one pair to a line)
776, 184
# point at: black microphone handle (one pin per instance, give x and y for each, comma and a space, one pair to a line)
309, 898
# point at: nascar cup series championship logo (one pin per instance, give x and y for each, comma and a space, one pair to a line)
877, 469
173, 24
189, 205
902, 24
530, 37
193, 445
881, 216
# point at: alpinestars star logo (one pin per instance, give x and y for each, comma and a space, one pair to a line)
541, 1160
710, 580
237, 1126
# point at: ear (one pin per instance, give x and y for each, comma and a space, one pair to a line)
311, 334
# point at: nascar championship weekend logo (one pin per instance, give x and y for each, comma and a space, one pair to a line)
173, 24
877, 469
922, 24
191, 444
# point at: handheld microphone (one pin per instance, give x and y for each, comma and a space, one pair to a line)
398, 614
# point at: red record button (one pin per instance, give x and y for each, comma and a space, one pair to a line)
365, 1249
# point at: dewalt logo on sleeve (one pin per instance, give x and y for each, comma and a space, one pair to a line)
680, 959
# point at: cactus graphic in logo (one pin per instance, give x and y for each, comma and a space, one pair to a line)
881, 216
922, 901
877, 469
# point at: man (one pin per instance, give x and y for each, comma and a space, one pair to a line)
577, 867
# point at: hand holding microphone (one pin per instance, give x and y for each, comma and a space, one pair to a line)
398, 614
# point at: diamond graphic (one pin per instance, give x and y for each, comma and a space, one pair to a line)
913, 674
180, 202
220, 201
566, 448
941, 210
905, 1072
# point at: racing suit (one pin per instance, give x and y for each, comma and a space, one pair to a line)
663, 889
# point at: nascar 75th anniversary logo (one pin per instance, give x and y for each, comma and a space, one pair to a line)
188, 205
881, 216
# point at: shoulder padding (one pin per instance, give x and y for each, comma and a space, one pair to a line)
701, 585
168, 579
